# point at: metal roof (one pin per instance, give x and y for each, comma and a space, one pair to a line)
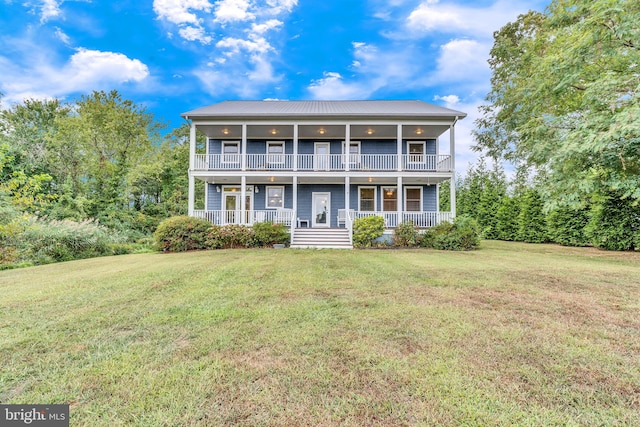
323, 109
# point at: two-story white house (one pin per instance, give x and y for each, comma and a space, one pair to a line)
316, 166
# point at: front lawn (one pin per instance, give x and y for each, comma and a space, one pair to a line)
511, 334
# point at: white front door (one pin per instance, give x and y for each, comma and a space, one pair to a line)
322, 156
321, 207
231, 205
231, 208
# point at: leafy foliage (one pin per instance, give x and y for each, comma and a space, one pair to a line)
615, 224
366, 230
567, 225
268, 234
182, 233
406, 234
461, 235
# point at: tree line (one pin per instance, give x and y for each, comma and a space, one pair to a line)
564, 107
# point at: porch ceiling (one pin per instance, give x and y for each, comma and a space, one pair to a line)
320, 131
303, 180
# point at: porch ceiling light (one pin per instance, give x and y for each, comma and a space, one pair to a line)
419, 131
274, 131
225, 131
370, 131
370, 179
322, 131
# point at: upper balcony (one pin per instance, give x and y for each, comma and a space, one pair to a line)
323, 162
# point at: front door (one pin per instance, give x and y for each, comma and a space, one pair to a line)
231, 208
322, 156
231, 205
321, 210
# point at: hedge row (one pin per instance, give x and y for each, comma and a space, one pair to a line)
461, 235
183, 233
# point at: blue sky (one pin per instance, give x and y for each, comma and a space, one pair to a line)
177, 55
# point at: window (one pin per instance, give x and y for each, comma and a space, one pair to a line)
416, 152
275, 152
275, 197
389, 199
230, 152
367, 200
413, 199
353, 153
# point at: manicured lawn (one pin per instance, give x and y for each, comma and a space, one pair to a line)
511, 334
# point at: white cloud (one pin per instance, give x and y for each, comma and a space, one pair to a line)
179, 11
463, 61
266, 26
85, 70
233, 10
194, 34
62, 36
333, 87
281, 6
450, 101
49, 9
182, 13
234, 46
432, 16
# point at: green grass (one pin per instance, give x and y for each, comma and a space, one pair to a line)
511, 334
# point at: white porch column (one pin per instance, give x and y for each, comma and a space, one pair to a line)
295, 149
294, 199
452, 146
192, 158
452, 153
347, 148
400, 193
347, 192
243, 200
399, 150
243, 156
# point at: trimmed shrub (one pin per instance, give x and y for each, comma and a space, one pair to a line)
614, 224
567, 226
532, 222
230, 236
461, 235
182, 233
366, 230
406, 234
268, 234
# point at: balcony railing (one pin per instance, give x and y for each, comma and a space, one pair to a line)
424, 219
323, 162
225, 217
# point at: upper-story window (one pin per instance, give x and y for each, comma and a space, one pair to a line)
275, 152
230, 152
416, 152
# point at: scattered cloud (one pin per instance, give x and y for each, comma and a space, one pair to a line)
62, 36
49, 9
84, 71
333, 87
183, 14
450, 18
232, 11
450, 101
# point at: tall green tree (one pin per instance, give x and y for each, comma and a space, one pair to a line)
565, 98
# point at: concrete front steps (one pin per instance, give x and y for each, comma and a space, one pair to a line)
320, 238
